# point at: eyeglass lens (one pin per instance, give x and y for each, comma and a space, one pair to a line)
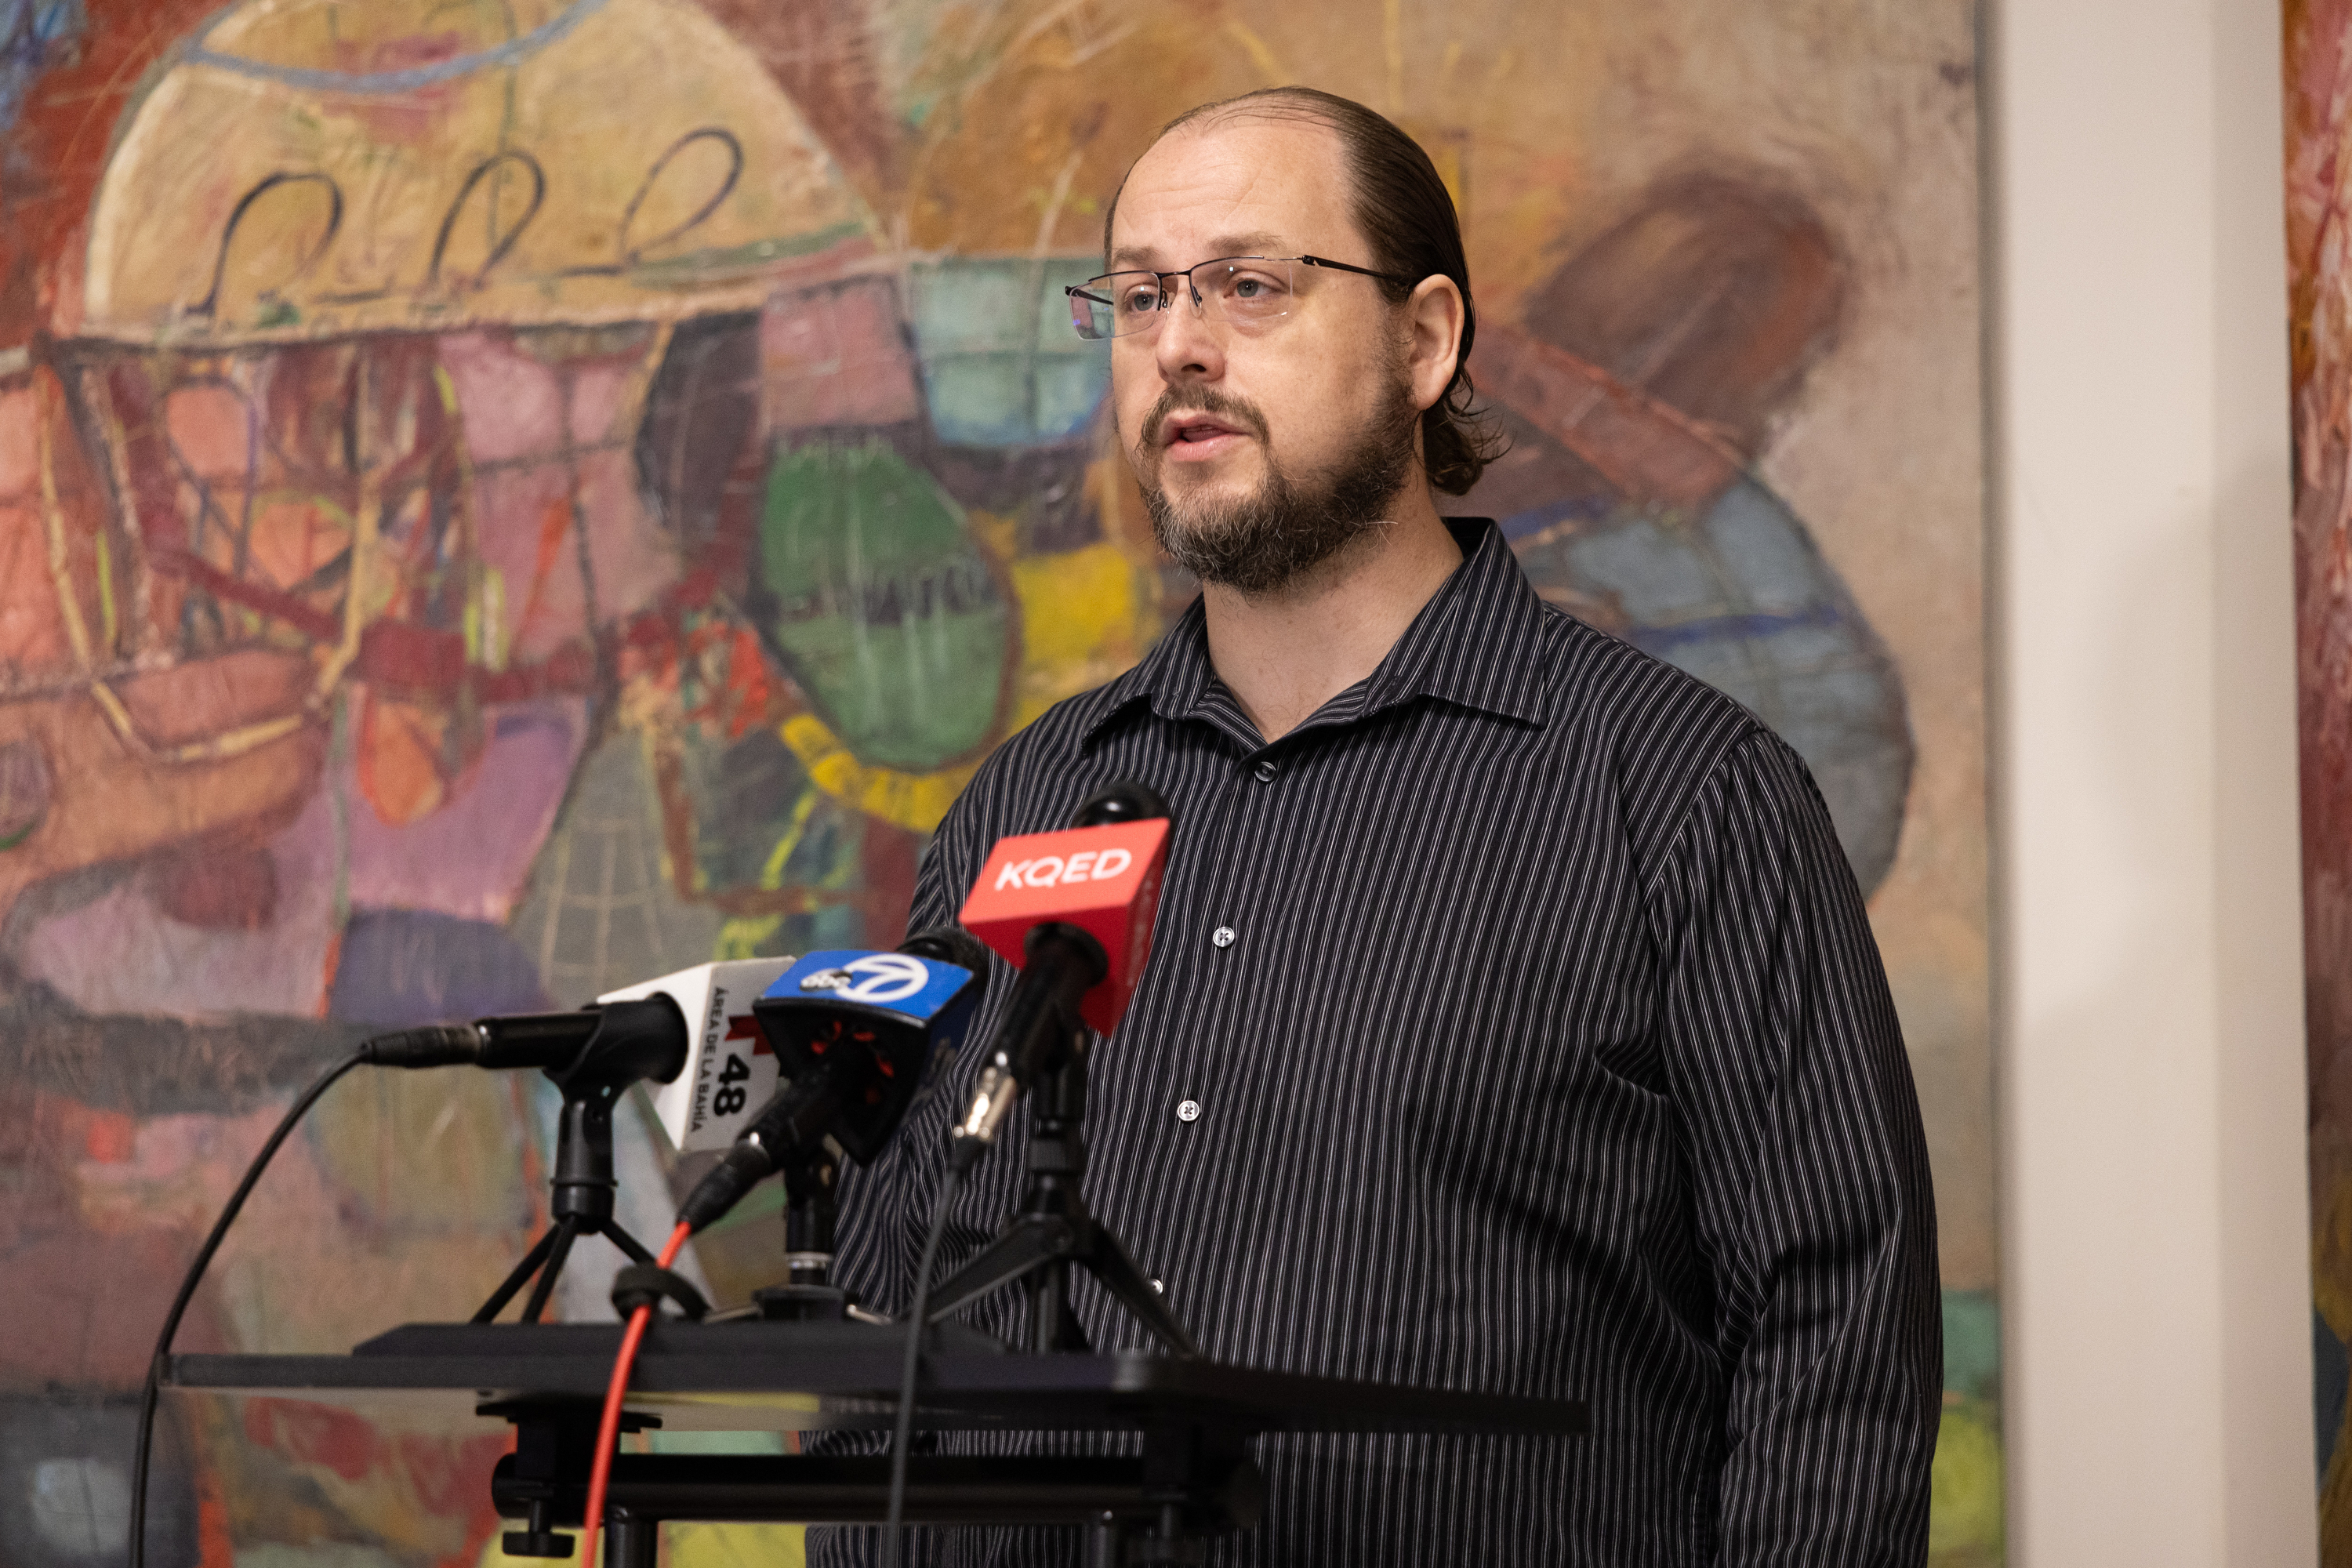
1243, 290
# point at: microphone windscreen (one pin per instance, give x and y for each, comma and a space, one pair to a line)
949, 944
729, 1069
1121, 800
892, 987
875, 1023
1103, 881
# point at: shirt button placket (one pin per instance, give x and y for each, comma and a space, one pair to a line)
1222, 835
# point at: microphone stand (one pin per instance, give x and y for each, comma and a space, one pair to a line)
809, 1294
1053, 1230
630, 1043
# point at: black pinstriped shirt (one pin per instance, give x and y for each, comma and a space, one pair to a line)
1512, 1024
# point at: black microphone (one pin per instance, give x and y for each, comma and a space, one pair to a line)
1121, 800
632, 1040
854, 1031
1075, 911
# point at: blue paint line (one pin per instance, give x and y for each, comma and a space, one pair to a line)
513, 52
1535, 520
1716, 628
35, 34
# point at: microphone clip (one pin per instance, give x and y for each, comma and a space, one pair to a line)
1042, 1032
633, 1041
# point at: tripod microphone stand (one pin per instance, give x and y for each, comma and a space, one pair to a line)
1053, 1230
634, 1040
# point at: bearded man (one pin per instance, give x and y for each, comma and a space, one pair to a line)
1513, 1023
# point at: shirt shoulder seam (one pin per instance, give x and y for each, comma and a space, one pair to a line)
1752, 735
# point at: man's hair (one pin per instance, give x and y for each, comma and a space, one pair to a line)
1407, 217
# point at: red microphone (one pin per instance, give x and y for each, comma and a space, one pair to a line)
1074, 910
1103, 880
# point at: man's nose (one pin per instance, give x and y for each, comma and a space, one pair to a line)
1189, 346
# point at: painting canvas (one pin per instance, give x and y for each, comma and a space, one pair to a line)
2318, 71
502, 500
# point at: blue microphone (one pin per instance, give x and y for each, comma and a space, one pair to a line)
854, 1031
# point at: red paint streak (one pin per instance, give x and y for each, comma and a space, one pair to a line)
554, 523
451, 1477
172, 560
327, 967
405, 116
477, 1458
109, 1136
572, 667
888, 854
216, 1548
315, 1434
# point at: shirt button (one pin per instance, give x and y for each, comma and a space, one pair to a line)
1224, 936
1190, 1110
1264, 772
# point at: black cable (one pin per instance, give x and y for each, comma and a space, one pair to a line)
902, 1434
429, 1046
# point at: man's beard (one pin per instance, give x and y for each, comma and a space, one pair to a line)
1262, 542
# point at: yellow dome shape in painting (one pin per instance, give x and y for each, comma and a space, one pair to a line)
305, 169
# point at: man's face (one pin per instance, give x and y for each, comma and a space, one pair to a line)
1262, 449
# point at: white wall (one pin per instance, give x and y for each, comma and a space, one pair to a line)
2154, 1210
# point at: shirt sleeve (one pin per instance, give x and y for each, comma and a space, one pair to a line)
1802, 1128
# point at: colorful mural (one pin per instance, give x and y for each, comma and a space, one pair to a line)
499, 501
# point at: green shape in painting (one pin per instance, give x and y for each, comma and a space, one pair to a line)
885, 609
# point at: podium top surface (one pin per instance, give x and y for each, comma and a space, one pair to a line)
792, 1376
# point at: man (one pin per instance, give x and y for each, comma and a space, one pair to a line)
1513, 1023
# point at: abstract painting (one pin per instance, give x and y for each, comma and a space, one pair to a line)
499, 501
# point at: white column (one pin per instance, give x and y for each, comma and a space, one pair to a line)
2157, 1292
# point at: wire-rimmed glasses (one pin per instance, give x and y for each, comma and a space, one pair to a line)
1245, 290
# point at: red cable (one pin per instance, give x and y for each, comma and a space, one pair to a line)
608, 1431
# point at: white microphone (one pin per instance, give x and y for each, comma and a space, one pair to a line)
730, 1071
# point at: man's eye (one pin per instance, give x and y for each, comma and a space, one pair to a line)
1143, 297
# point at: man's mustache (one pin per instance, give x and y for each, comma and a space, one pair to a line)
1200, 400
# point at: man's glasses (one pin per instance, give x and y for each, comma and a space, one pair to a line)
1247, 290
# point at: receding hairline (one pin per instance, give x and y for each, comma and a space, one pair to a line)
1266, 103
1291, 103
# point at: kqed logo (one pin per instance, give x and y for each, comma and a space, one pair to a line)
1047, 870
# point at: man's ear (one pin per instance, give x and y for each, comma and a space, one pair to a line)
1433, 315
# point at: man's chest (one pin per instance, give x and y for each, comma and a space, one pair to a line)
1427, 933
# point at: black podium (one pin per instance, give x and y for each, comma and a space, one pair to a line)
1192, 1477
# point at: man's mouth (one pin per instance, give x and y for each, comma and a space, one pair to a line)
1199, 438
1200, 429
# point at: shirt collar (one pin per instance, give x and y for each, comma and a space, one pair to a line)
1478, 643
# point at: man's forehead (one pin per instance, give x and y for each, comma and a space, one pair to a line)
1248, 185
